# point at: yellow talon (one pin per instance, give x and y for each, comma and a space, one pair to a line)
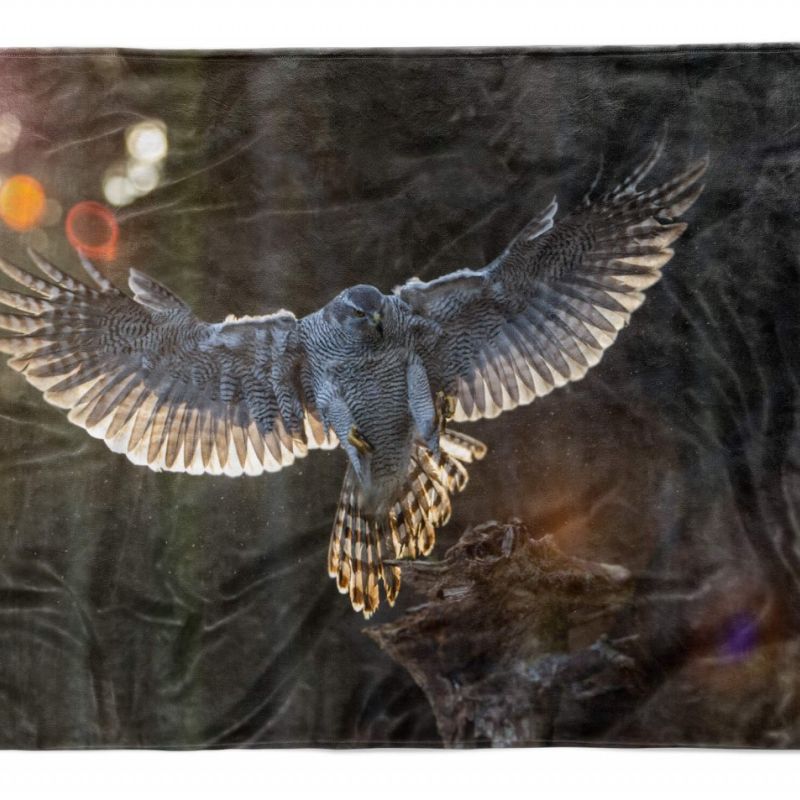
445, 408
358, 441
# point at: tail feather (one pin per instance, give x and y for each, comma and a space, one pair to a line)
360, 541
462, 447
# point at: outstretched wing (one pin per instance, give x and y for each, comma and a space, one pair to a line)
156, 383
545, 311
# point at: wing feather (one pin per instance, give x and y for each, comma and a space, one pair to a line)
156, 383
547, 309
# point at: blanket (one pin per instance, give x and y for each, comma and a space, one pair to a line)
399, 398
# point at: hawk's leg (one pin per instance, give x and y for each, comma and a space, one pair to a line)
336, 414
421, 403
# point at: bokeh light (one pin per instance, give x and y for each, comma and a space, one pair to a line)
22, 202
147, 147
92, 229
740, 636
118, 188
37, 239
147, 141
143, 175
10, 129
52, 212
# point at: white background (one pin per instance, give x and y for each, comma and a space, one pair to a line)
547, 773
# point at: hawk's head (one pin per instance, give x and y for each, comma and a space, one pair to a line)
360, 309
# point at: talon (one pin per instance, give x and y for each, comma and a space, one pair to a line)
445, 408
358, 441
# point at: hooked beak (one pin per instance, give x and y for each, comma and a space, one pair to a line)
377, 322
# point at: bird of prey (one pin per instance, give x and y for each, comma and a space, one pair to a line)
382, 376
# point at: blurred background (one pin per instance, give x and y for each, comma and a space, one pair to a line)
142, 609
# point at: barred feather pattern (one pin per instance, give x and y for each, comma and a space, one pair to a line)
156, 383
360, 542
544, 312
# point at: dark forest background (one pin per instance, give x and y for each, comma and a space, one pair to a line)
141, 609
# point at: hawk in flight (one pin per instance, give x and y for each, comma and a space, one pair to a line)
381, 376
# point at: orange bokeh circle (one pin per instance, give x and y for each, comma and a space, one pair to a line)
22, 202
92, 229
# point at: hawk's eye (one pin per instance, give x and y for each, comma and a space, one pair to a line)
359, 313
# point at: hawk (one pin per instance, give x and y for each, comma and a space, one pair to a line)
383, 376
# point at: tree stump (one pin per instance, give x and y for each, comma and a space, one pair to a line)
509, 628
